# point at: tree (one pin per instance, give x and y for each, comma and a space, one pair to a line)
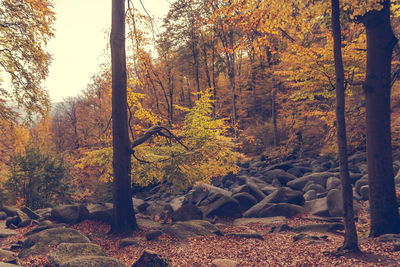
25, 28
350, 241
377, 86
124, 220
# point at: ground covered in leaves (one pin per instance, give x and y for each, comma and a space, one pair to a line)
277, 249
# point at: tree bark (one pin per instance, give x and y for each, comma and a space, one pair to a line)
380, 43
124, 220
350, 240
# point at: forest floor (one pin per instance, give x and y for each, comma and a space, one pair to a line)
277, 249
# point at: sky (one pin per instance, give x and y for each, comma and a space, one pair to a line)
80, 41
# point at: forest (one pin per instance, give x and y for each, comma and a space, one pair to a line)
227, 133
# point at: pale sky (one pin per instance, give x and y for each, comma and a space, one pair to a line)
80, 41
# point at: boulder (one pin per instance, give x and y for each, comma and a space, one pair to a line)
224, 263
310, 195
285, 195
185, 230
268, 189
320, 227
274, 210
23, 219
317, 178
247, 235
10, 211
177, 202
67, 251
361, 182
4, 233
203, 194
32, 215
39, 243
150, 258
129, 241
44, 227
100, 212
335, 203
45, 213
364, 191
6, 253
187, 212
154, 234
255, 191
316, 187
160, 209
246, 201
69, 213
264, 221
281, 209
3, 215
224, 206
282, 195
282, 176
333, 183
318, 207
93, 261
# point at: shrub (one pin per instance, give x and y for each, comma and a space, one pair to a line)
38, 178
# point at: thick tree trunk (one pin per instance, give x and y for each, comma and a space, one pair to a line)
123, 214
382, 196
350, 240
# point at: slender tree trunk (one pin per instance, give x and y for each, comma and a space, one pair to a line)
124, 220
382, 195
350, 240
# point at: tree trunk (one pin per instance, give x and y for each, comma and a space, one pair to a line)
124, 220
350, 240
274, 118
382, 195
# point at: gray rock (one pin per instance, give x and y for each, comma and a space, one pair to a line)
32, 215
389, 237
282, 176
10, 211
268, 189
93, 261
177, 202
318, 178
318, 207
333, 183
151, 235
224, 206
129, 241
100, 212
4, 233
161, 209
310, 195
3, 215
361, 182
185, 230
44, 227
6, 253
264, 221
282, 195
39, 243
364, 191
255, 191
67, 251
316, 187
150, 258
187, 212
335, 203
281, 209
321, 227
69, 213
246, 201
224, 263
247, 235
